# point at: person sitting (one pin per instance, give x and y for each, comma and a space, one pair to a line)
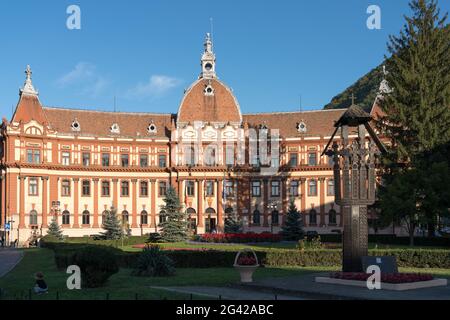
40, 287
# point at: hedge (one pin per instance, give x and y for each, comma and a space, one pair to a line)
393, 240
413, 258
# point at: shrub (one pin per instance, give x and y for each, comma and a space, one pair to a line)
154, 238
97, 264
153, 262
240, 237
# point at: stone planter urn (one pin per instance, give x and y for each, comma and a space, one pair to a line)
246, 262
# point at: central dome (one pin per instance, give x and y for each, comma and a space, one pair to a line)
209, 100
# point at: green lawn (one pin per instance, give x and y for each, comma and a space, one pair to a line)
17, 283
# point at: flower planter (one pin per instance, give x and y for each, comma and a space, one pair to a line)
246, 265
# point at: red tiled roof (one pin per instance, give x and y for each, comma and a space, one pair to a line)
220, 107
98, 123
29, 108
318, 123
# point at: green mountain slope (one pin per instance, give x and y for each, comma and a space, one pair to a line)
365, 91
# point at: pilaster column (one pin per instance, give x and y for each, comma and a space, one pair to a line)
219, 189
200, 203
303, 195
95, 225
266, 202
284, 200
44, 202
322, 201
22, 202
134, 223
76, 201
115, 193
153, 204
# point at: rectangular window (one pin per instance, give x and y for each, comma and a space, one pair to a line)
275, 188
162, 160
33, 187
330, 188
256, 188
34, 156
229, 156
125, 189
124, 160
190, 188
312, 159
293, 188
105, 159
293, 160
105, 189
86, 188
330, 161
209, 187
312, 188
228, 188
86, 159
65, 188
144, 188
143, 160
189, 156
65, 158
162, 188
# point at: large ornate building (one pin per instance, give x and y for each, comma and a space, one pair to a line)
75, 164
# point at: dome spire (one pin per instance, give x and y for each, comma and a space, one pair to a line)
28, 88
208, 61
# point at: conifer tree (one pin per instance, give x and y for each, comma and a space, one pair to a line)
292, 229
112, 226
54, 230
175, 227
418, 109
233, 224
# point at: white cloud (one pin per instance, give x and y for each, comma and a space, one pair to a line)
84, 77
157, 85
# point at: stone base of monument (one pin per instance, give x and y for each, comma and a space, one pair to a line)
385, 286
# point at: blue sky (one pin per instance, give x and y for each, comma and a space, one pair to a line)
147, 52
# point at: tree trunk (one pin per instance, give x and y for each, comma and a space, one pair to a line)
431, 229
411, 236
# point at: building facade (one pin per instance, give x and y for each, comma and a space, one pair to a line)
74, 165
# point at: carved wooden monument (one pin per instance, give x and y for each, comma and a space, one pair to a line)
354, 176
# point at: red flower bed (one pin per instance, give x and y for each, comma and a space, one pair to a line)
246, 261
142, 246
239, 237
385, 277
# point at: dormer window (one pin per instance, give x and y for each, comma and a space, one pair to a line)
209, 90
75, 126
151, 129
115, 128
301, 127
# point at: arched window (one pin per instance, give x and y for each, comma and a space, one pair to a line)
66, 217
86, 217
210, 211
190, 211
256, 217
275, 217
210, 156
33, 217
162, 216
125, 216
313, 217
144, 217
332, 216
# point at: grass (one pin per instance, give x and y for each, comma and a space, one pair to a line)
121, 286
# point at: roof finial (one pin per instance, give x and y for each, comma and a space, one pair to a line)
208, 60
353, 99
28, 85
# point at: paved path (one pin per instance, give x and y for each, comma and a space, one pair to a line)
9, 258
227, 293
305, 285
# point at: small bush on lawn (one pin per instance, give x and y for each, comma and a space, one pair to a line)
153, 262
154, 237
97, 264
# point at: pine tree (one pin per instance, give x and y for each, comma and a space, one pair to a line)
418, 109
292, 228
175, 226
112, 226
54, 230
233, 224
